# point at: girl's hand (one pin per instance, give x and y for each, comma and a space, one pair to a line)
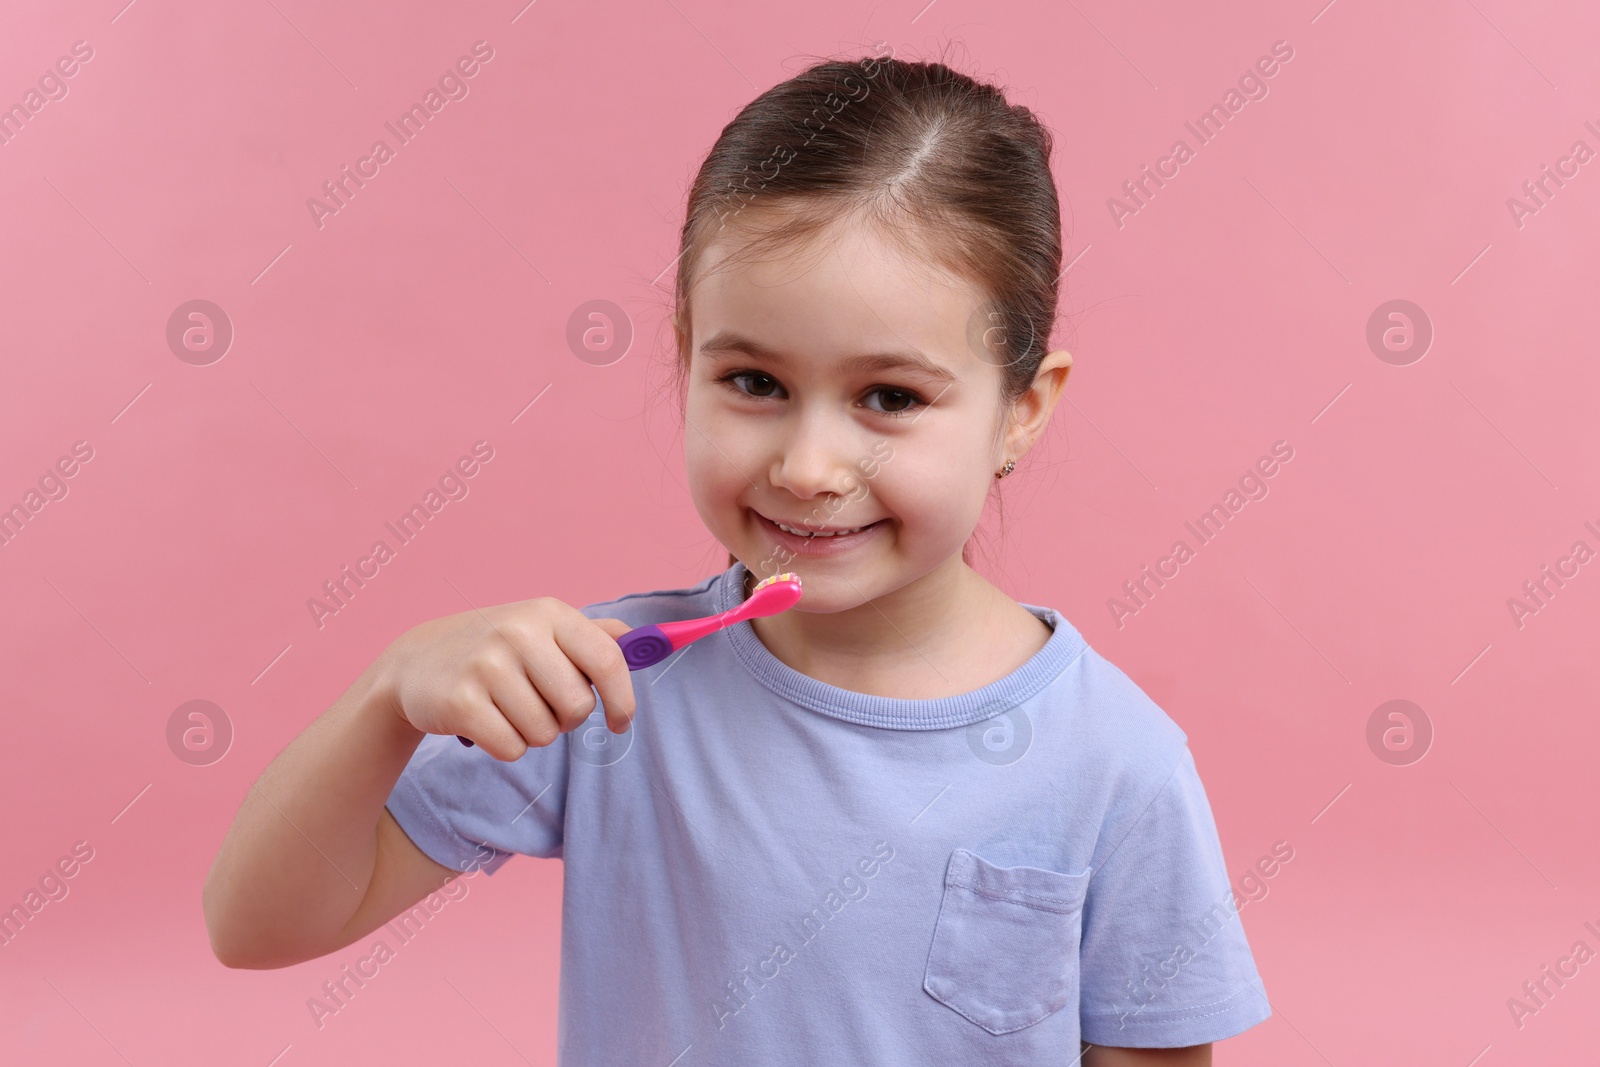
509, 677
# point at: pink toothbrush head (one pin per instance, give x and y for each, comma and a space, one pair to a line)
645, 646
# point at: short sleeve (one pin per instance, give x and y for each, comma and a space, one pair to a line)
465, 809
1163, 959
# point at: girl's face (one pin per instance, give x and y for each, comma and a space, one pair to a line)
831, 388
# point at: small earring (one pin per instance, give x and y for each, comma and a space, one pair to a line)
1010, 466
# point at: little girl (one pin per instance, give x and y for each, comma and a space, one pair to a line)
911, 820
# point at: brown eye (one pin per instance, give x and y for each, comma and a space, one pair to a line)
897, 401
763, 383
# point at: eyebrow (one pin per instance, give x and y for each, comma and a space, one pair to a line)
724, 343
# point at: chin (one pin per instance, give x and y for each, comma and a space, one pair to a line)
827, 592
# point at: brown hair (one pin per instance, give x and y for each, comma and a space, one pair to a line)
930, 157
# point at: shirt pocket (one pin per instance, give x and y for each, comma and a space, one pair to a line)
1005, 944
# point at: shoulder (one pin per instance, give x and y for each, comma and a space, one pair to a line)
660, 605
1133, 769
1117, 727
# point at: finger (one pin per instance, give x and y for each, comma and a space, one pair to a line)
560, 683
482, 722
514, 695
614, 627
592, 645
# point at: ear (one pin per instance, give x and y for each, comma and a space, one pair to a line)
1031, 411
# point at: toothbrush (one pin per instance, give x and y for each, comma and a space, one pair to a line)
645, 646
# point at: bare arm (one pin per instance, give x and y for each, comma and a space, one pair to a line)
313, 861
1101, 1056
292, 879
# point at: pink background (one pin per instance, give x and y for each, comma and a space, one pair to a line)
1228, 314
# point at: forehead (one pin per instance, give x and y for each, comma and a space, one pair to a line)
841, 292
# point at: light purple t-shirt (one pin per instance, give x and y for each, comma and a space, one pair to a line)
767, 869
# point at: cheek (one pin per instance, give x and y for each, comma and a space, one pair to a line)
699, 423
713, 459
938, 497
705, 470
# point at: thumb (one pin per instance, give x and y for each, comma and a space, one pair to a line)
613, 627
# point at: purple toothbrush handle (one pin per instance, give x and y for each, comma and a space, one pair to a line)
643, 646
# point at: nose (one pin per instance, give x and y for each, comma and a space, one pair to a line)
815, 457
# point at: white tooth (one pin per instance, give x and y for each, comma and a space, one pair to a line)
805, 533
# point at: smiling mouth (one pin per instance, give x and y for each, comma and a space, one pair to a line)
818, 533
829, 532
